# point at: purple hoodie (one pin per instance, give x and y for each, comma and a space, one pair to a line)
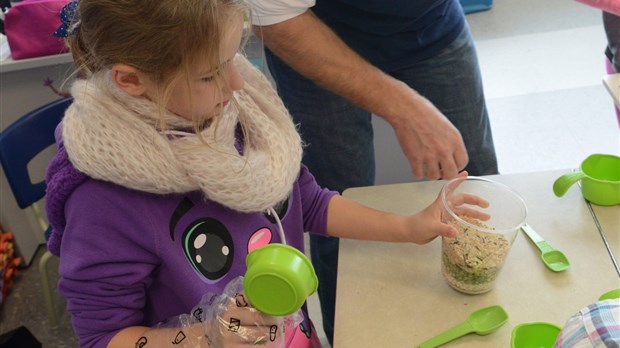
132, 258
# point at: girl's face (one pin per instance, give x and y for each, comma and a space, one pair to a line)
200, 98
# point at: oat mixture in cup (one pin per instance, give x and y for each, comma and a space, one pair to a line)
472, 261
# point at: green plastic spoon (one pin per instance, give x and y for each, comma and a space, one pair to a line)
481, 322
554, 259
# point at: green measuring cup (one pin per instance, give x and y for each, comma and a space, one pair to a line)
600, 179
484, 321
554, 259
534, 335
610, 295
279, 279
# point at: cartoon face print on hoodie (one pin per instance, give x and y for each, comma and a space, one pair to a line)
211, 247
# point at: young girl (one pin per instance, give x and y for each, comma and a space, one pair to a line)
175, 160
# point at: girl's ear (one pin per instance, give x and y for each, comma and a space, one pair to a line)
129, 79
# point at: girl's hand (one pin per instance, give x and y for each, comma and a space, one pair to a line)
238, 324
233, 322
427, 225
227, 320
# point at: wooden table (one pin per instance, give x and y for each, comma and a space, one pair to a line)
612, 83
393, 295
608, 220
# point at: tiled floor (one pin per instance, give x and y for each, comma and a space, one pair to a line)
25, 307
542, 63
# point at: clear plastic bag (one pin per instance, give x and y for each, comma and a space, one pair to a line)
229, 320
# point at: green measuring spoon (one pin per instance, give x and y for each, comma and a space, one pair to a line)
610, 295
554, 259
482, 322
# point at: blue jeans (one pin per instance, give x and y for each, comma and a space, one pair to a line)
339, 135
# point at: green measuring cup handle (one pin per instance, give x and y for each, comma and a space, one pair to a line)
453, 333
564, 182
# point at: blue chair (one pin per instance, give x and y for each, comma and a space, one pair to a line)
20, 142
473, 6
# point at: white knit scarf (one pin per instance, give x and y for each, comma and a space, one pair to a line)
112, 136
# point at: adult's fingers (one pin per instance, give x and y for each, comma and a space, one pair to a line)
461, 158
449, 168
433, 155
432, 170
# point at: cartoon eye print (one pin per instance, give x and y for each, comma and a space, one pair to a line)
260, 238
209, 247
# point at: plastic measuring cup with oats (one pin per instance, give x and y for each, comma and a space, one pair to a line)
472, 261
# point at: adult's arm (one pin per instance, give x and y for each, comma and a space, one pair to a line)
433, 146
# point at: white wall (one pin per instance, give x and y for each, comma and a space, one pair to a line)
392, 165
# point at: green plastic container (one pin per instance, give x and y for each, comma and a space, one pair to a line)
600, 180
534, 335
279, 278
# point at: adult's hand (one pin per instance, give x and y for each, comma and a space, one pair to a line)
433, 146
431, 143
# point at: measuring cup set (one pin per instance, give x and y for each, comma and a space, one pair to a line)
599, 178
487, 320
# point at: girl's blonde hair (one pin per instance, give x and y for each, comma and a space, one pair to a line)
163, 39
